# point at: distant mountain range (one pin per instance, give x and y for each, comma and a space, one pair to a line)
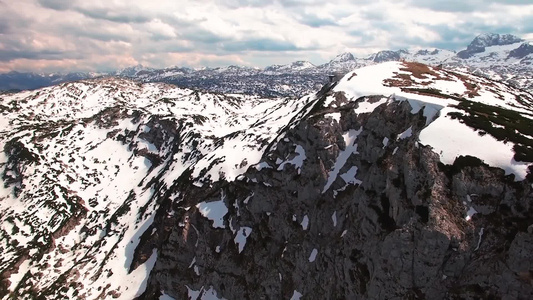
501, 57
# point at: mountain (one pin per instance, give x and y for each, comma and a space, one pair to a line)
295, 66
30, 81
401, 180
383, 56
501, 57
137, 70
479, 44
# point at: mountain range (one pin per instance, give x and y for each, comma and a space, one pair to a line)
502, 57
398, 181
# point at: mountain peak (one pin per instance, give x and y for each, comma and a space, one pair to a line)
494, 39
481, 41
131, 71
387, 55
346, 56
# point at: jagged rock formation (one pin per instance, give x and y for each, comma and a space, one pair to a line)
399, 181
482, 41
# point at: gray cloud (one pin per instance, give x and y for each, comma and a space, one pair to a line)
463, 5
259, 45
315, 21
56, 4
9, 55
203, 36
118, 16
97, 35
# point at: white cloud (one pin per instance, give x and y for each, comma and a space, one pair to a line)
89, 35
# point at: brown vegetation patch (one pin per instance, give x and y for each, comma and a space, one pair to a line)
426, 92
471, 87
417, 70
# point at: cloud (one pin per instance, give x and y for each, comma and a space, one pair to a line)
259, 45
463, 5
105, 34
55, 4
316, 21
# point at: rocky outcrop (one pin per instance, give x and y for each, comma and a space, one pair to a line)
486, 40
524, 50
383, 56
400, 228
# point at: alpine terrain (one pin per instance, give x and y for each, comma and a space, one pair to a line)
503, 57
398, 181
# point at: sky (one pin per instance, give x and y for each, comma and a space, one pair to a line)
104, 35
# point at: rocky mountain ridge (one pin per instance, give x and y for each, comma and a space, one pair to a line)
502, 57
398, 181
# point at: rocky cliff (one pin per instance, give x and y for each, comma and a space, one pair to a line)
400, 181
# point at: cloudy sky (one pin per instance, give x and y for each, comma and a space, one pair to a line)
101, 35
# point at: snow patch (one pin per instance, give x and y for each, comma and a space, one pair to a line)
351, 148
385, 142
214, 211
305, 223
407, 133
241, 236
480, 234
296, 295
297, 160
165, 297
349, 176
452, 139
143, 271
334, 116
313, 255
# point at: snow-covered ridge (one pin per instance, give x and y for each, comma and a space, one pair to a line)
465, 115
83, 164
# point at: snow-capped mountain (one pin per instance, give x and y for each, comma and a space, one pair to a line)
479, 44
134, 71
399, 180
295, 66
17, 81
501, 57
86, 167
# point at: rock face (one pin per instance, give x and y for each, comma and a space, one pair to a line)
524, 50
398, 227
486, 40
347, 193
494, 39
383, 56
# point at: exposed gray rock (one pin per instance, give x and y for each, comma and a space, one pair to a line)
399, 234
524, 50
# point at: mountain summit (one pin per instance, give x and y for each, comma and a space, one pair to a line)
401, 180
482, 41
494, 39
343, 57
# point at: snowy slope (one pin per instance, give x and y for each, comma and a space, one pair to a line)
447, 99
88, 166
85, 163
